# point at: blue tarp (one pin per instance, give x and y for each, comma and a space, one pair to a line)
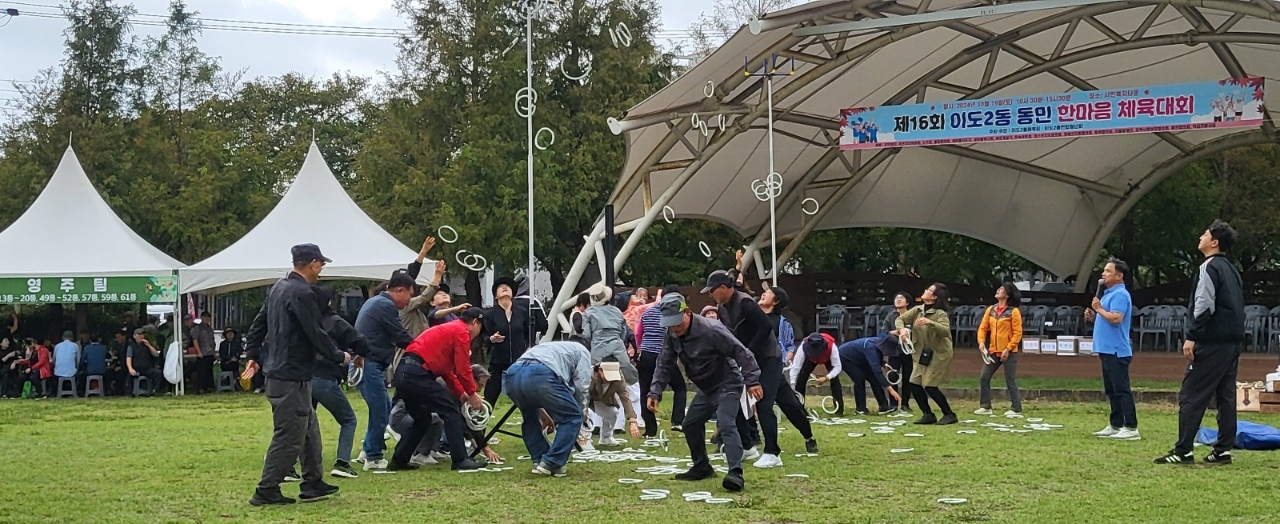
1248, 436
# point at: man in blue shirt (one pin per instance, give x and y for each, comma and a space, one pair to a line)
1111, 315
66, 357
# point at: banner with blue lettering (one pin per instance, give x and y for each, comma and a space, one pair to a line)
1153, 109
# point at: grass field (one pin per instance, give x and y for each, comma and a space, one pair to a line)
198, 459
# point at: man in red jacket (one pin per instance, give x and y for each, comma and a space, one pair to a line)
443, 351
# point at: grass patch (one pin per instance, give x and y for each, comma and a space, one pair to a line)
199, 458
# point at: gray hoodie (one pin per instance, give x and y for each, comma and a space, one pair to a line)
607, 332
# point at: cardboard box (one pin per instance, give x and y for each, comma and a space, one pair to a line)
1031, 345
1086, 346
1067, 345
1247, 399
1049, 347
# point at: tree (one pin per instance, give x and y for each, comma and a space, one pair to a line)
727, 16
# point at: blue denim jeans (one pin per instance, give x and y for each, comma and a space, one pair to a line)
532, 385
373, 387
328, 393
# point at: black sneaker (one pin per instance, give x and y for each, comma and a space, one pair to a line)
733, 480
1174, 458
926, 419
468, 464
1218, 457
948, 419
272, 498
676, 428
545, 469
343, 470
887, 411
292, 476
317, 491
697, 474
811, 446
861, 412
397, 466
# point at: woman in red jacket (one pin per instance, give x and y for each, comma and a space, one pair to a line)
40, 368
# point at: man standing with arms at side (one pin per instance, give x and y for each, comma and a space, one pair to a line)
289, 322
719, 366
1111, 316
1213, 346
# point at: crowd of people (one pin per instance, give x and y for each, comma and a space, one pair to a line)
410, 353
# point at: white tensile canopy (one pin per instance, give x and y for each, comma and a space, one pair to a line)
70, 231
1053, 201
316, 210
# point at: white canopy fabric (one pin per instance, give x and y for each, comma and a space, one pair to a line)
68, 220
1054, 202
316, 210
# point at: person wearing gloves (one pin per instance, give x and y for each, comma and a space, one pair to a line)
819, 349
929, 328
552, 379
720, 367
606, 332
863, 360
999, 338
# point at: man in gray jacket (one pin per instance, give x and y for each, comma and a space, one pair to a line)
607, 334
1214, 342
720, 367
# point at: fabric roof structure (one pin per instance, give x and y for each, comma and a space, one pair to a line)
1054, 202
70, 214
317, 210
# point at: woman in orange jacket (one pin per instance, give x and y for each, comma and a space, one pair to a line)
999, 337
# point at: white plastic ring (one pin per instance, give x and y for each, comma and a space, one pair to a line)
624, 34
440, 232
709, 90
913, 434
952, 501
901, 450
694, 120
856, 435
630, 481
530, 105
582, 78
834, 407
538, 144
668, 214
718, 501
967, 432
1035, 420
774, 179
702, 126
723, 121
704, 248
804, 207
354, 376
797, 475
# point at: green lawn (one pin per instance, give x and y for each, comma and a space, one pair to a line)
198, 459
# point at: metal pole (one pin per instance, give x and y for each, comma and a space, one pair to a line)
773, 223
609, 277
528, 74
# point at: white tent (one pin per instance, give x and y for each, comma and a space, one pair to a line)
317, 210
70, 231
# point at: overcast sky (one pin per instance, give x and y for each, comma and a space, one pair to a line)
31, 43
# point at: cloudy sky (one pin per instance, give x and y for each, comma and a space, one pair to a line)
33, 42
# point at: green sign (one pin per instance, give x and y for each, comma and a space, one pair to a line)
161, 289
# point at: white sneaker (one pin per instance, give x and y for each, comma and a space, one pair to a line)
1106, 432
438, 456
361, 458
391, 434
380, 464
983, 411
422, 460
609, 441
768, 461
750, 454
1012, 413
1126, 434
586, 445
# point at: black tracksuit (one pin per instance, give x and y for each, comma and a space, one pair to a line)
1217, 329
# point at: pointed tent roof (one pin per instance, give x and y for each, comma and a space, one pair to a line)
70, 215
317, 210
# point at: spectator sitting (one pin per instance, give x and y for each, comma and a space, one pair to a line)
93, 361
117, 373
66, 358
229, 353
142, 357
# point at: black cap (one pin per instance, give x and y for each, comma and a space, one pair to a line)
716, 279
814, 345
443, 287
306, 253
780, 296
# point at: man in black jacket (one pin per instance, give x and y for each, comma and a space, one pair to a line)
752, 327
289, 322
720, 367
326, 386
1213, 346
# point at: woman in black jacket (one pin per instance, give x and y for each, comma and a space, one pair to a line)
902, 362
229, 352
507, 331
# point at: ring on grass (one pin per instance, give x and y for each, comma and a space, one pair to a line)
718, 501
797, 475
901, 450
967, 432
630, 481
856, 435
913, 434
952, 501
834, 407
